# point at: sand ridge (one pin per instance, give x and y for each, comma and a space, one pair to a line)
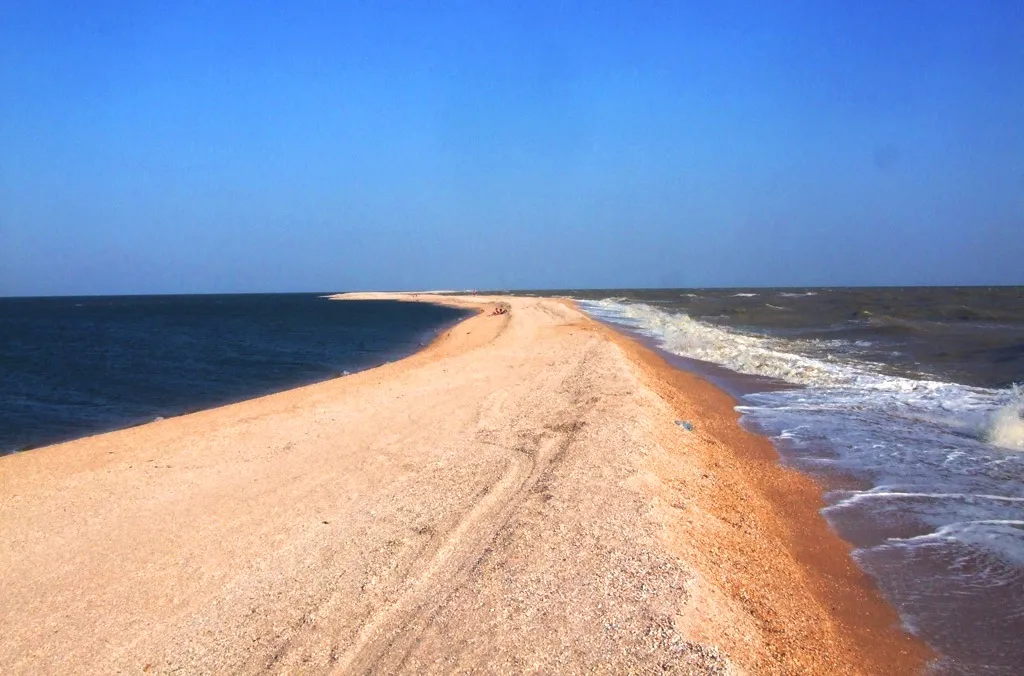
515, 498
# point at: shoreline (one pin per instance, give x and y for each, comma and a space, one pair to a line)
849, 599
30, 431
864, 627
511, 461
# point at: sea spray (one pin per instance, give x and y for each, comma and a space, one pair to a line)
1006, 426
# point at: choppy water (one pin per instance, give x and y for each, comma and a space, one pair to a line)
76, 366
906, 394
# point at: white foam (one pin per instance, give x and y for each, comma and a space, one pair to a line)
1006, 426
1003, 538
969, 497
944, 461
837, 382
685, 336
936, 451
976, 571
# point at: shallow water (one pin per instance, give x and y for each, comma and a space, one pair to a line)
903, 396
76, 366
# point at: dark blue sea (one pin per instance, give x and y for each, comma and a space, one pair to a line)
71, 367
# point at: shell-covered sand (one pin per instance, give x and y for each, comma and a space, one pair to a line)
516, 498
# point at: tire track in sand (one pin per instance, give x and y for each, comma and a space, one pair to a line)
388, 637
394, 630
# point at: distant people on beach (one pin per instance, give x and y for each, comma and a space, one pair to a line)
500, 310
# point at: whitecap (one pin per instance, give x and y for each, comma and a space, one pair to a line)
1006, 425
942, 459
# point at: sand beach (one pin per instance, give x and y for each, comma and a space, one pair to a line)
518, 497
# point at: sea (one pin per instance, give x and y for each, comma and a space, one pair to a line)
906, 403
72, 367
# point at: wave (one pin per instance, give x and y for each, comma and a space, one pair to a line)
880, 322
1006, 426
975, 570
744, 353
884, 494
1001, 537
991, 412
944, 515
898, 431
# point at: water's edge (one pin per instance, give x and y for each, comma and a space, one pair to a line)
913, 585
257, 389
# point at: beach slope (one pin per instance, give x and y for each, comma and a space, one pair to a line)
517, 497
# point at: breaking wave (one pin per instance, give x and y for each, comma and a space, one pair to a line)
944, 514
1006, 426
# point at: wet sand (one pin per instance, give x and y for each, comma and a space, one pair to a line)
515, 498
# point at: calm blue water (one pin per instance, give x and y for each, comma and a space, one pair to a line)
71, 367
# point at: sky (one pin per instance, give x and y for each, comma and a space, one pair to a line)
200, 147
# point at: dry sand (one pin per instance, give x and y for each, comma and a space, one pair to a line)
514, 499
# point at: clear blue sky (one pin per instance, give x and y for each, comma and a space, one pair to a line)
271, 146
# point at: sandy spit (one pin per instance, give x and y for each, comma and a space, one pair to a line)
516, 498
